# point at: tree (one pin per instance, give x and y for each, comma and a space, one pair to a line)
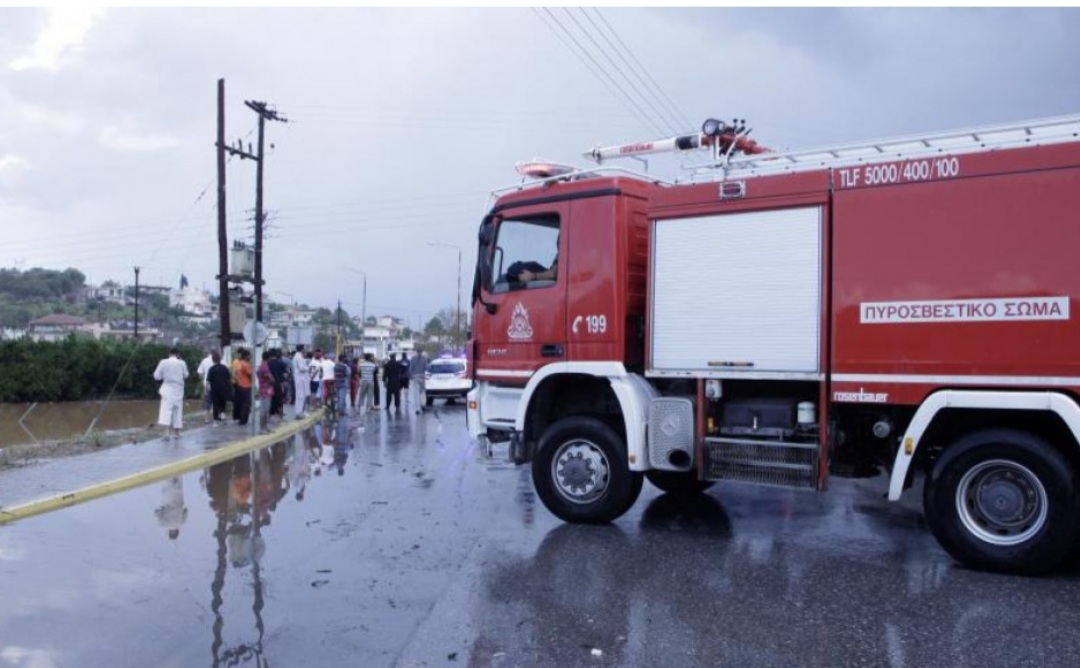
453, 332
323, 340
42, 284
435, 327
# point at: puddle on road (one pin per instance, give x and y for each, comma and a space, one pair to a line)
234, 540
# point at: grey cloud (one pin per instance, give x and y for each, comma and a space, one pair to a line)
404, 120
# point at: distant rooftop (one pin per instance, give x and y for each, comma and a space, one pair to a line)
59, 319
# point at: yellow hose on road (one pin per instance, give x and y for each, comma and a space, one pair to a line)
155, 474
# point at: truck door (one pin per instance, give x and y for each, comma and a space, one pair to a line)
523, 323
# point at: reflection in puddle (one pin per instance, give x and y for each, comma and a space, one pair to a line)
244, 493
172, 513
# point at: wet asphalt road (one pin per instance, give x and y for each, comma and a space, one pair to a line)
406, 548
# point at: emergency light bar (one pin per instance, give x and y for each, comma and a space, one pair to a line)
542, 169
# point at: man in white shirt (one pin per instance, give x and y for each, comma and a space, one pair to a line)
316, 375
327, 388
171, 371
301, 381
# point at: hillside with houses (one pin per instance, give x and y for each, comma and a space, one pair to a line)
50, 305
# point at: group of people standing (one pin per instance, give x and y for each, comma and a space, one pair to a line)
353, 384
222, 384
308, 380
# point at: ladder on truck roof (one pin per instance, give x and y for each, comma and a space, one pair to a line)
1039, 132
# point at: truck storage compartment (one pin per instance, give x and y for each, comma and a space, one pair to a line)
737, 294
758, 417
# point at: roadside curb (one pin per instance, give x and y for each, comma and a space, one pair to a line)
156, 474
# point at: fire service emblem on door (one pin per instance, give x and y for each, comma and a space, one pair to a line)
520, 329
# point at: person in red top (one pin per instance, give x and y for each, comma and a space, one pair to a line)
241, 373
354, 381
266, 391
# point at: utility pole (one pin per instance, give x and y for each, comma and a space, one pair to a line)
238, 150
264, 113
223, 276
363, 307
337, 343
223, 248
460, 341
457, 318
137, 304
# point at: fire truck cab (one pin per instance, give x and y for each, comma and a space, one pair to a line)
901, 306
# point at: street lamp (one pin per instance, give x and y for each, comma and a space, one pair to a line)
457, 324
363, 307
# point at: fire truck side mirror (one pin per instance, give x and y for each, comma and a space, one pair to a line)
483, 262
483, 256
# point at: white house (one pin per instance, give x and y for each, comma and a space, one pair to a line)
193, 301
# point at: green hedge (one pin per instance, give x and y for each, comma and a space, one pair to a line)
78, 369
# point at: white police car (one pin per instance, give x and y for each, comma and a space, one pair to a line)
447, 378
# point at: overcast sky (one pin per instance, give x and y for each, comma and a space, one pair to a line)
402, 122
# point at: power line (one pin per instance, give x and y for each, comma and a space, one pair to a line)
579, 52
641, 67
673, 129
672, 119
151, 227
389, 210
129, 234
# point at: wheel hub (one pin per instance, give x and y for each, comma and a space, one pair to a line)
577, 472
1002, 502
1006, 500
580, 471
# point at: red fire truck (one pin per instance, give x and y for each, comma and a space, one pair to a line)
900, 306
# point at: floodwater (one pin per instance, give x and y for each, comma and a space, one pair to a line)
400, 546
29, 423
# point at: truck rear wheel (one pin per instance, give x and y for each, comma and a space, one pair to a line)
1003, 500
581, 472
678, 482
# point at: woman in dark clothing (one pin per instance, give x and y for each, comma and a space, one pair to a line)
220, 381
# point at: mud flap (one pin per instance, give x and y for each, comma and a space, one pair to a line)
520, 452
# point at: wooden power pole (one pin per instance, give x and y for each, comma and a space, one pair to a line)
264, 113
223, 243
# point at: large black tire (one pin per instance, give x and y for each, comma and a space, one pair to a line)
430, 401
1003, 500
678, 483
581, 473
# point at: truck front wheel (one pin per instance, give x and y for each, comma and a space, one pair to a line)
581, 472
1003, 500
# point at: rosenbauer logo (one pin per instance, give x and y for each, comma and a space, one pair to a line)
861, 397
967, 310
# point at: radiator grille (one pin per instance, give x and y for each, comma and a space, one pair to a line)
784, 464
